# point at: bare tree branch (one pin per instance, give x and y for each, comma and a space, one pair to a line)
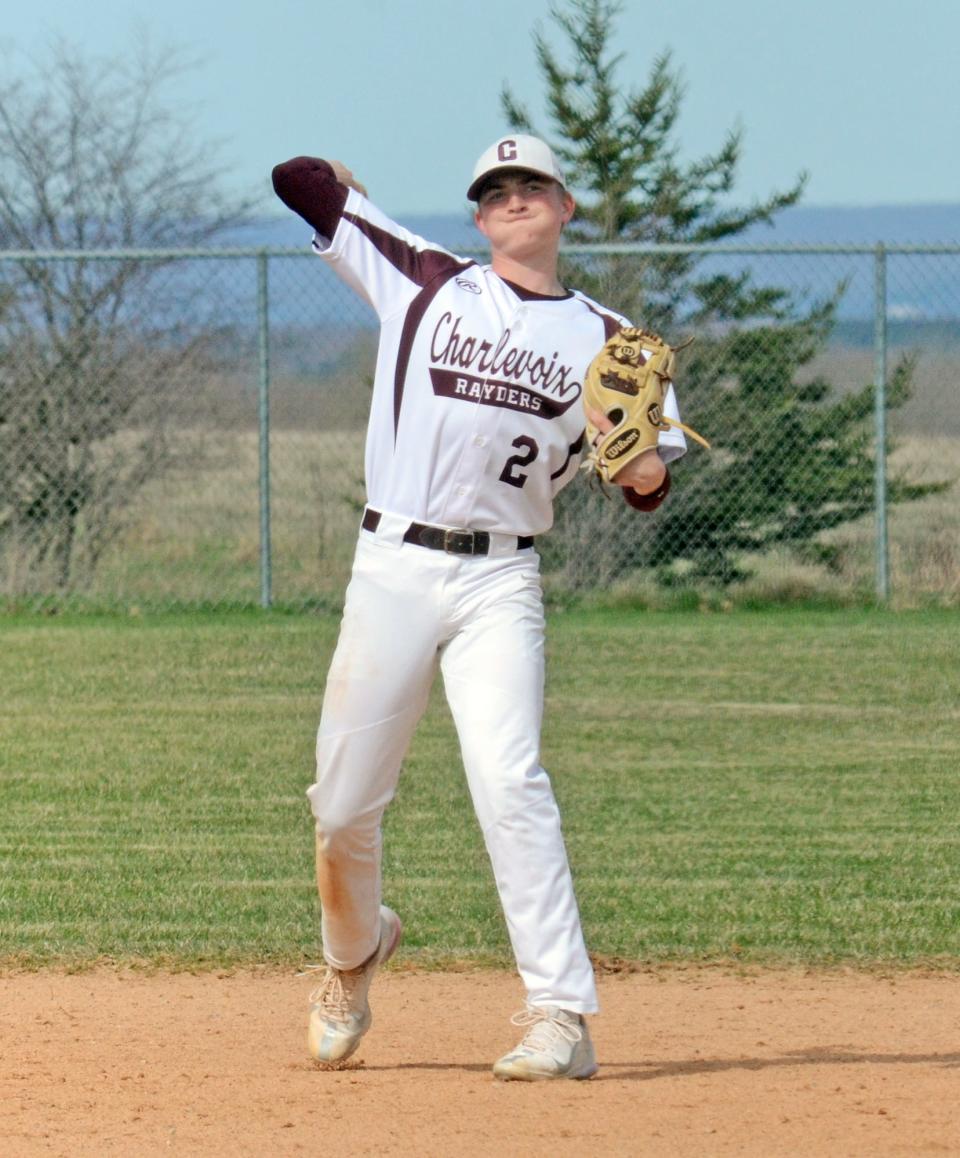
94, 153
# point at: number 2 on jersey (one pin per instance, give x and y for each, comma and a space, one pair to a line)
511, 472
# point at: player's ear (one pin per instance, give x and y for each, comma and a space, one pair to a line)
568, 207
478, 222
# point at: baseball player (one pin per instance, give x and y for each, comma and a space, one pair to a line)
476, 423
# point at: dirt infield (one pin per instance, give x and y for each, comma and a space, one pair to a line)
695, 1062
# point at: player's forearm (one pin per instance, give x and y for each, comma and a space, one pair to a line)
644, 473
650, 500
309, 186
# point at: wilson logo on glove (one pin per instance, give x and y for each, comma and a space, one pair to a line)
624, 441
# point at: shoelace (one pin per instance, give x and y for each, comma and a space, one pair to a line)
544, 1028
335, 991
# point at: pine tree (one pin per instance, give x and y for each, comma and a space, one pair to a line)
791, 458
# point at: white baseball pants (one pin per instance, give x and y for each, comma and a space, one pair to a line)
409, 610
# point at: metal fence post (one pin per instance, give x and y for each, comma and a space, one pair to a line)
263, 341
880, 422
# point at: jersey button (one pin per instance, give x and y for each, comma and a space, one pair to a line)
479, 441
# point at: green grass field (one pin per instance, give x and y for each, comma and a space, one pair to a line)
767, 787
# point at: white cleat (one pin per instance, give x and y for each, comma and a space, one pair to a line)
556, 1045
340, 1013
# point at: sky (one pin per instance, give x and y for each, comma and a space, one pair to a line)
863, 95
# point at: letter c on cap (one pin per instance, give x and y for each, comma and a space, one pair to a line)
507, 151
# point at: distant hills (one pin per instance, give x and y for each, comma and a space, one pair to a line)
803, 225
867, 225
922, 289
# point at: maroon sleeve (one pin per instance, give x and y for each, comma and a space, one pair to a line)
308, 186
648, 502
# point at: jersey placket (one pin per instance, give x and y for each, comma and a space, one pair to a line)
478, 442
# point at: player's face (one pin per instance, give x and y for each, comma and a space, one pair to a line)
522, 214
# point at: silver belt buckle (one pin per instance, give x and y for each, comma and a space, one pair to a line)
459, 541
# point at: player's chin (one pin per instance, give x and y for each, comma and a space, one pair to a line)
526, 244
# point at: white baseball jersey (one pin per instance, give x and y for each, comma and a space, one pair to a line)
476, 419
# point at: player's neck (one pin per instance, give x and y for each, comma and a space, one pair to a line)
538, 275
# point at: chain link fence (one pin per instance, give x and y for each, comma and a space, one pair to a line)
185, 429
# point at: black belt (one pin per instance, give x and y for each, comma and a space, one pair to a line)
455, 541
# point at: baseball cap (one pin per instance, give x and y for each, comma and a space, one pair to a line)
518, 151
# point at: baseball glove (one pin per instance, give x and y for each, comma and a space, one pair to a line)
627, 381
